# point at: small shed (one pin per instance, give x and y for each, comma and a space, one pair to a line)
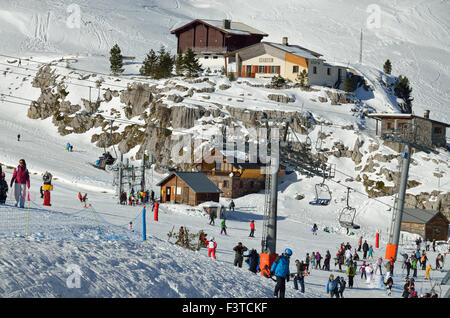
427, 223
215, 209
190, 188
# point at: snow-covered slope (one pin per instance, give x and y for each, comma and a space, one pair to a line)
412, 35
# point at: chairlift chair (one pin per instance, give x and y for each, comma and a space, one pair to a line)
323, 193
347, 216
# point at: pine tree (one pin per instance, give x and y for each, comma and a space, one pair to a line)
277, 80
403, 91
164, 65
387, 67
231, 76
149, 63
302, 78
116, 60
179, 65
348, 84
191, 64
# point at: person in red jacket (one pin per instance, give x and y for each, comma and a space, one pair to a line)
20, 179
252, 229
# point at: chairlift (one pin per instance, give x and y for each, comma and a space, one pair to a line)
323, 194
106, 161
347, 215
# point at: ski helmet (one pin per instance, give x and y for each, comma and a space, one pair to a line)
288, 251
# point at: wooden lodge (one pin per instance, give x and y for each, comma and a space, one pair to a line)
191, 188
426, 223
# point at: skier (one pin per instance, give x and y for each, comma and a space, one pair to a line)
314, 229
307, 260
280, 268
84, 200
231, 206
71, 148
130, 226
423, 260
351, 272
223, 227
363, 270
369, 271
211, 218
152, 196
252, 228
313, 260
21, 178
434, 245
326, 262
18, 137
378, 266
342, 287
370, 252
365, 249
439, 261
427, 272
239, 254
332, 286
212, 245
389, 282
300, 276
20, 63
408, 267
359, 243
3, 188
80, 197
414, 267
41, 191
253, 260
318, 259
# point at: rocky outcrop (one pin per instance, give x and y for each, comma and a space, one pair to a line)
137, 98
281, 98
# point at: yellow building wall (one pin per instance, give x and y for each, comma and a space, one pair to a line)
291, 61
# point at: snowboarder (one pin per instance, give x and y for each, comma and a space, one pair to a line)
231, 206
239, 254
223, 227
212, 245
20, 179
252, 228
300, 276
280, 268
3, 188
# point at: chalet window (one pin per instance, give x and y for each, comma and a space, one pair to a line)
260, 69
314, 69
328, 71
248, 69
273, 69
215, 57
206, 57
225, 183
295, 69
437, 130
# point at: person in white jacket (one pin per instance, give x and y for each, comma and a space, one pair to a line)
369, 271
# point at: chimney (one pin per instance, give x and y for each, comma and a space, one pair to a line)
285, 40
426, 114
226, 24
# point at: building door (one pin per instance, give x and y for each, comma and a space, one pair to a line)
185, 195
168, 194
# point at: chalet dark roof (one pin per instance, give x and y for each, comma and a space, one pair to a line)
197, 181
419, 215
381, 116
290, 48
237, 28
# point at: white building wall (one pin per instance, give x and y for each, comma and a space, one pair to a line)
321, 77
266, 60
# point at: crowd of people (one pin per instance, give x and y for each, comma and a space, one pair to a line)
135, 198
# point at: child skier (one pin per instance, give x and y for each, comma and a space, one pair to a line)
224, 227
212, 245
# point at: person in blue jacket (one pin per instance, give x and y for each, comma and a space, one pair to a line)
280, 268
333, 286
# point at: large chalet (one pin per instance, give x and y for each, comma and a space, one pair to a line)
212, 39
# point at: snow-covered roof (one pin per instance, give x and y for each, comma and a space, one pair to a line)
296, 50
237, 28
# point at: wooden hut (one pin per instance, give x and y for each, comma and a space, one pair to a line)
426, 223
